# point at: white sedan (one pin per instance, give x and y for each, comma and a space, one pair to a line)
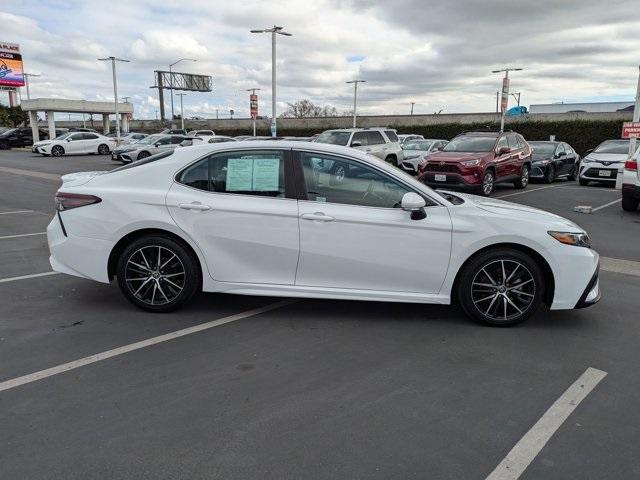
282, 218
75, 143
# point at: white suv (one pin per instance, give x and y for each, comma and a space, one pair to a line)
604, 163
631, 184
381, 142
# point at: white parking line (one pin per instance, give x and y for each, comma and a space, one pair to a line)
25, 277
617, 265
23, 235
529, 190
31, 173
65, 367
523, 453
16, 211
606, 205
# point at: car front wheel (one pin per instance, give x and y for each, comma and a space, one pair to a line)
550, 176
57, 151
488, 181
157, 273
500, 287
103, 149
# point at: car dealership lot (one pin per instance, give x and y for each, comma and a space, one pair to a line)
313, 389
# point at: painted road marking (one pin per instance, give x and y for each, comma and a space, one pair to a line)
617, 265
523, 453
606, 205
31, 173
25, 277
529, 190
16, 211
22, 235
65, 367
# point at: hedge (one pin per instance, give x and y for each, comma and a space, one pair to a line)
582, 135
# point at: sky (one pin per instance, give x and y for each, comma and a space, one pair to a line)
436, 54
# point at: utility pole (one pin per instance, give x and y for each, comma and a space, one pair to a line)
113, 61
355, 97
253, 110
181, 110
497, 101
171, 79
412, 104
516, 95
26, 82
505, 92
216, 114
273, 31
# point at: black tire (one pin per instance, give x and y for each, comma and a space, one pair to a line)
103, 149
485, 303
57, 151
488, 183
143, 154
523, 181
550, 174
392, 159
583, 182
140, 279
630, 204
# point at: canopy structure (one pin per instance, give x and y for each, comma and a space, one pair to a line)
51, 105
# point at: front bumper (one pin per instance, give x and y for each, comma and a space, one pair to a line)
538, 170
454, 180
591, 294
599, 172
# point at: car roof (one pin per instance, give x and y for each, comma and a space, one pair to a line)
555, 142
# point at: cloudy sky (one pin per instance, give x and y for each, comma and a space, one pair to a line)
436, 54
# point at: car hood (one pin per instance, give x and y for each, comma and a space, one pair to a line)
537, 157
42, 143
78, 178
509, 209
607, 157
455, 157
414, 153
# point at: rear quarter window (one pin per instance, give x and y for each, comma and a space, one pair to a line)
392, 136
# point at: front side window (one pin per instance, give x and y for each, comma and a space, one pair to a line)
560, 150
503, 142
76, 136
340, 180
514, 143
164, 141
244, 172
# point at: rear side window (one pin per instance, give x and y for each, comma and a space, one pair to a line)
375, 138
89, 136
392, 136
258, 173
360, 137
176, 139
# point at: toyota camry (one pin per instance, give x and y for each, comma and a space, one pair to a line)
284, 218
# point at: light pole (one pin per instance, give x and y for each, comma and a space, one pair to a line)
273, 31
181, 110
26, 82
516, 95
113, 61
412, 104
505, 91
253, 114
171, 78
355, 97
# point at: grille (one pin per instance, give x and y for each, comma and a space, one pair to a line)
595, 172
436, 167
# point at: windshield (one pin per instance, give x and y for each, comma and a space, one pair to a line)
543, 147
470, 144
334, 138
417, 145
613, 146
150, 139
8, 132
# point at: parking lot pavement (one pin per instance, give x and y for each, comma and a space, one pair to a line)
314, 389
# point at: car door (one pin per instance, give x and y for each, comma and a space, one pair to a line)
353, 235
502, 161
164, 143
569, 159
90, 142
516, 158
235, 208
360, 141
73, 143
377, 144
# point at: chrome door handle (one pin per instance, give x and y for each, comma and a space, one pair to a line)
318, 216
194, 206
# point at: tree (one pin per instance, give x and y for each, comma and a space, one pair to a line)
306, 109
16, 116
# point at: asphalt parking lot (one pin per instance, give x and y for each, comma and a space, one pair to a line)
309, 388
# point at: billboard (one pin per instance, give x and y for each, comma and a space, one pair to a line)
11, 73
504, 101
253, 105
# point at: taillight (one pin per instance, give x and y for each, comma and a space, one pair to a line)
631, 165
67, 201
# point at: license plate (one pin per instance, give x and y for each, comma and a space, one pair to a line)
604, 173
440, 178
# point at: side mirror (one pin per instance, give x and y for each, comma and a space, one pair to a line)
588, 152
69, 139
504, 150
156, 145
356, 144
414, 203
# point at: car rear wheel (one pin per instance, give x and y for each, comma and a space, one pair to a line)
523, 181
550, 175
57, 151
500, 287
488, 181
392, 159
630, 204
157, 273
103, 149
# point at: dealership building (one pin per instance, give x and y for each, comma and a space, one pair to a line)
596, 107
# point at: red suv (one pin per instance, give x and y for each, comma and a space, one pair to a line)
478, 160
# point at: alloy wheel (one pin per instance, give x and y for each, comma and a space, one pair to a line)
525, 176
103, 149
155, 275
503, 290
487, 183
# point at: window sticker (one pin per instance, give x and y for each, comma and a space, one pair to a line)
239, 174
266, 174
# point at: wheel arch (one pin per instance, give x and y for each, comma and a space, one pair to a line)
547, 272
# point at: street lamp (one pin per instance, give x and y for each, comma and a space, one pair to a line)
355, 97
505, 91
26, 82
171, 78
273, 31
113, 61
181, 110
412, 104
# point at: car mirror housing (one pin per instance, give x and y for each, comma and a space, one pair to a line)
503, 150
356, 144
414, 203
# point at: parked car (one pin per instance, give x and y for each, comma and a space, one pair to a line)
380, 142
174, 131
212, 218
128, 137
631, 183
18, 137
75, 143
604, 163
516, 111
241, 138
551, 160
148, 146
201, 133
415, 150
188, 141
404, 137
82, 129
478, 160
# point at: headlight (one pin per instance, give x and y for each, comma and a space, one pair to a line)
471, 163
587, 160
542, 162
568, 238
